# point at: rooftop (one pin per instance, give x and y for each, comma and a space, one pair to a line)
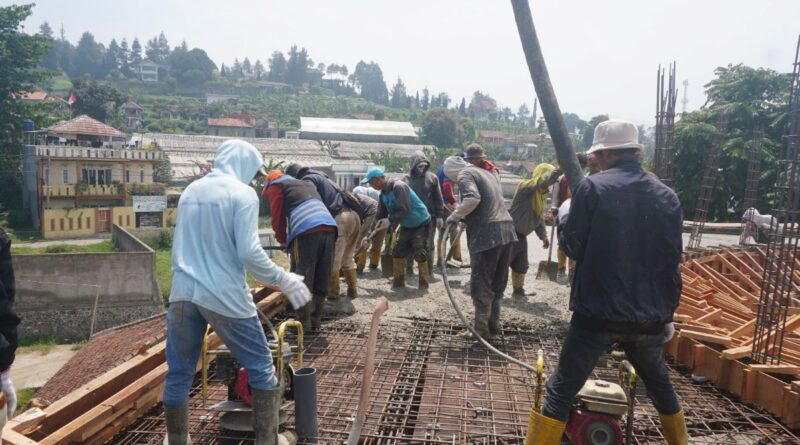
84, 124
356, 126
228, 122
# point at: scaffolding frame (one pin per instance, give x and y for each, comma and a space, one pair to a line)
707, 186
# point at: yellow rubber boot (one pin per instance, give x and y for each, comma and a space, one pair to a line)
544, 430
350, 279
361, 261
423, 275
518, 284
457, 248
333, 288
674, 426
438, 252
374, 259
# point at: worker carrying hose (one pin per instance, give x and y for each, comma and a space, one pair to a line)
399, 205
623, 229
528, 213
216, 241
490, 234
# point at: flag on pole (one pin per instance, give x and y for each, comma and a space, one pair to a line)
72, 98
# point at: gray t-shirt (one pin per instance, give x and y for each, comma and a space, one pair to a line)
490, 224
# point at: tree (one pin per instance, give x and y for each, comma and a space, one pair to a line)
89, 57
588, 132
247, 67
425, 99
444, 100
97, 100
277, 67
125, 58
522, 114
258, 70
162, 171
399, 95
113, 56
157, 49
332, 69
236, 70
46, 31
574, 123
50, 60
297, 66
22, 53
440, 128
368, 78
191, 68
462, 108
136, 53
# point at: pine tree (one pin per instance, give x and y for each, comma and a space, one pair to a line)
136, 53
46, 31
124, 58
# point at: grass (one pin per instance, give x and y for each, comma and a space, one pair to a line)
24, 395
164, 272
101, 247
43, 345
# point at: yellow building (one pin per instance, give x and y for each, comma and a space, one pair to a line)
81, 191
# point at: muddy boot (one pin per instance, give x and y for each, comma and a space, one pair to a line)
399, 271
318, 303
481, 323
518, 283
561, 277
457, 250
424, 274
304, 316
361, 261
177, 419
410, 267
494, 317
438, 253
266, 407
350, 279
374, 259
333, 286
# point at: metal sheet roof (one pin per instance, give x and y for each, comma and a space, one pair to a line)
356, 126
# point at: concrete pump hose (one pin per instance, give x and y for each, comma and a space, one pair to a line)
461, 314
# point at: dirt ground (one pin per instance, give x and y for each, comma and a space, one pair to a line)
33, 368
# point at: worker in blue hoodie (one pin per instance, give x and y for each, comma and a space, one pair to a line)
216, 242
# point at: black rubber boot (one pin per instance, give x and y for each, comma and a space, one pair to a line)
266, 407
494, 317
318, 303
304, 315
177, 418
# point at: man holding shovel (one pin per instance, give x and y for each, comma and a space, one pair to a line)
528, 211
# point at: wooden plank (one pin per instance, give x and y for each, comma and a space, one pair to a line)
737, 353
777, 369
745, 330
11, 437
796, 385
27, 421
709, 338
699, 365
710, 317
749, 385
790, 414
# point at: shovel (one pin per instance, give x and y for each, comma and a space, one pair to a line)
548, 269
387, 266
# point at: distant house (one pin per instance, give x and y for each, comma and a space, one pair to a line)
357, 130
268, 130
133, 114
33, 97
148, 71
362, 116
493, 137
227, 98
84, 131
241, 124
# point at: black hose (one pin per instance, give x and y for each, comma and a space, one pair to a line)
442, 255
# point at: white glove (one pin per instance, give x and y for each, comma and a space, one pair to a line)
295, 290
439, 223
669, 332
364, 244
453, 219
11, 394
382, 224
563, 211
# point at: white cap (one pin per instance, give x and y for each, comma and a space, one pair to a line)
615, 135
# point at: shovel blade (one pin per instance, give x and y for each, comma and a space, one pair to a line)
548, 270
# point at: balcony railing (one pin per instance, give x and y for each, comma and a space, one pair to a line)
70, 190
132, 154
59, 191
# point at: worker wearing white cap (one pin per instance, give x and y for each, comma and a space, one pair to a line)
623, 229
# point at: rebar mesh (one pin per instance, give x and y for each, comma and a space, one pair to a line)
431, 386
754, 156
707, 186
665, 124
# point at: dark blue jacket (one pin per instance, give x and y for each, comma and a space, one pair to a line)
624, 232
328, 191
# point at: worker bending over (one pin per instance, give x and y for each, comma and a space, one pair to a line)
216, 241
368, 229
490, 234
399, 205
376, 242
347, 221
623, 229
307, 230
528, 212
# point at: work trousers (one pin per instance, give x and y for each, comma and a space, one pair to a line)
519, 254
563, 260
366, 226
312, 257
431, 240
489, 275
579, 354
412, 243
348, 225
186, 326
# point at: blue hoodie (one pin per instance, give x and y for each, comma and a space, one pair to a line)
216, 236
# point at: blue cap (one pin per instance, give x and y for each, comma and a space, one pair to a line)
373, 172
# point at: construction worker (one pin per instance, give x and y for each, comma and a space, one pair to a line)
376, 242
348, 224
527, 210
591, 163
449, 198
8, 330
623, 228
426, 185
399, 205
475, 155
490, 234
367, 225
562, 193
216, 241
296, 208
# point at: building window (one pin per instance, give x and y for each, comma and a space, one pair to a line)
141, 175
70, 223
61, 224
65, 176
94, 176
119, 218
52, 225
88, 223
127, 220
127, 176
79, 224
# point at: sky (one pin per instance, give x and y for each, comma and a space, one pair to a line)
602, 55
